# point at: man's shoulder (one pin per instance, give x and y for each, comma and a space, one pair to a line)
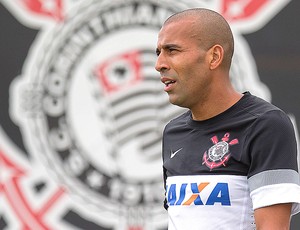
178, 122
180, 119
259, 107
268, 120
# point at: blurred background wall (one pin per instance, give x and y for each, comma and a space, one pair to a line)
82, 108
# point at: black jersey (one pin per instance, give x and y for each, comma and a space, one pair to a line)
218, 171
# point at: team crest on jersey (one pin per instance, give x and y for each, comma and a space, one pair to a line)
219, 153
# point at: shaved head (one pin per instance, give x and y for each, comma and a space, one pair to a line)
210, 28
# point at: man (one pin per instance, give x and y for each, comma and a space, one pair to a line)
230, 161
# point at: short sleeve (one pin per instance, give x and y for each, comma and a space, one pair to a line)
272, 143
273, 174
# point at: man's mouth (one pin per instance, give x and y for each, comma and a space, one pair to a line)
167, 83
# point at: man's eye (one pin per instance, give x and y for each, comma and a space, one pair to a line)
172, 50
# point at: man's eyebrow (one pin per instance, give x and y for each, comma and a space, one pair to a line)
168, 46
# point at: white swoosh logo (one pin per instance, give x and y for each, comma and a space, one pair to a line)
173, 154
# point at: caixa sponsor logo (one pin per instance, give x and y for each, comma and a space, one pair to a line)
194, 194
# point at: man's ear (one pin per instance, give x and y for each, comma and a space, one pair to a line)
217, 55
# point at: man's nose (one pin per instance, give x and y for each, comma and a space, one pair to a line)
161, 63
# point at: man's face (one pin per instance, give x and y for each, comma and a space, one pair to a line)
183, 63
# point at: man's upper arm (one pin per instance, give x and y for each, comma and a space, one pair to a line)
275, 217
